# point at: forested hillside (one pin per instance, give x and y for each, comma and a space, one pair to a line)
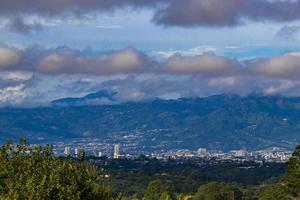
28, 172
223, 122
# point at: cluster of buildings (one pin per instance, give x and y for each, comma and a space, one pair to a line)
271, 155
68, 152
132, 144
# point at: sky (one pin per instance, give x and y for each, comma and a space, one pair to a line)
145, 49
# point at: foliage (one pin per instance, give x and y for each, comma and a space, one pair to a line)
33, 173
289, 187
274, 192
292, 180
132, 176
218, 191
159, 190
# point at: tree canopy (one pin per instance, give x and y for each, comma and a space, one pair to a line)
33, 173
289, 187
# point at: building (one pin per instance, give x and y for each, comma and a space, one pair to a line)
116, 151
202, 152
67, 151
76, 152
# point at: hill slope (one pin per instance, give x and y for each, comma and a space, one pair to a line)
223, 122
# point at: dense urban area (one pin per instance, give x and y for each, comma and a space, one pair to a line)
131, 149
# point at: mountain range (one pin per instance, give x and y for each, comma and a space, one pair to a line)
220, 122
100, 97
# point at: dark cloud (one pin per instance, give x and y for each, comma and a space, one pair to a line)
288, 32
15, 11
220, 13
18, 25
52, 8
187, 13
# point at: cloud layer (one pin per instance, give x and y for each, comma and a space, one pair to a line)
70, 61
9, 56
131, 61
226, 13
286, 66
36, 75
207, 64
187, 13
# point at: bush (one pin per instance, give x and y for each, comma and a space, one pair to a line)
33, 173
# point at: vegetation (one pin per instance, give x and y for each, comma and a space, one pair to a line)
132, 176
218, 191
289, 187
159, 190
222, 122
33, 173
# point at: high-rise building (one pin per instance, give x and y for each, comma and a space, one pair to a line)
76, 152
116, 151
202, 152
67, 151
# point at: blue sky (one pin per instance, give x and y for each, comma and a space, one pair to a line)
46, 52
134, 29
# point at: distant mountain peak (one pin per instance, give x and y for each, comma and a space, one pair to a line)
97, 98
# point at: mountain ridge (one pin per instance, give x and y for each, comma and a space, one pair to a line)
97, 98
220, 122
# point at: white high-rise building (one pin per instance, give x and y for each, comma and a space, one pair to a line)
202, 152
116, 151
67, 151
76, 152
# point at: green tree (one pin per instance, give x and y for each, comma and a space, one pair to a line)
292, 179
34, 174
159, 190
274, 192
289, 187
218, 191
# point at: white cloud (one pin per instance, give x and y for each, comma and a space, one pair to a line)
207, 64
189, 52
282, 66
68, 61
9, 56
12, 95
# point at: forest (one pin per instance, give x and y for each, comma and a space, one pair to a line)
33, 172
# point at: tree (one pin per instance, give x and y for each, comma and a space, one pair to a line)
274, 192
218, 191
292, 179
33, 173
289, 187
159, 190
81, 155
